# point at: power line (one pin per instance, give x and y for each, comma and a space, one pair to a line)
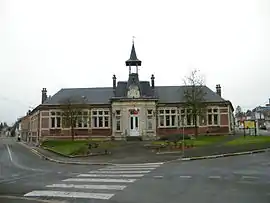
17, 101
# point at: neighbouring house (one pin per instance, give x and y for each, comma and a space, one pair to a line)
262, 115
131, 108
25, 127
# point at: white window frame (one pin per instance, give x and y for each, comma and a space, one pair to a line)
118, 116
54, 114
98, 116
165, 114
211, 111
149, 119
84, 117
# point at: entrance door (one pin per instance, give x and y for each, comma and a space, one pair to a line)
134, 125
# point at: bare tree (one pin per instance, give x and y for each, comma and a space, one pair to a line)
194, 96
71, 113
238, 112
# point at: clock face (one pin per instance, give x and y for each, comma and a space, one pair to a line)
133, 92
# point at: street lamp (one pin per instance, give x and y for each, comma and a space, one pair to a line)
183, 138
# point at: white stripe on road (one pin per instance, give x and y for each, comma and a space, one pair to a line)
158, 176
136, 166
119, 172
112, 175
214, 177
127, 169
9, 153
145, 164
100, 180
95, 187
249, 177
185, 176
45, 193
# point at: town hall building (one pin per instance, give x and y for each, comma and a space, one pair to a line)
128, 109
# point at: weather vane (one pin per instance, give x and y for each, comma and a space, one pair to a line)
133, 37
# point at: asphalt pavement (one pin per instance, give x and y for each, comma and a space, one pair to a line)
25, 177
22, 171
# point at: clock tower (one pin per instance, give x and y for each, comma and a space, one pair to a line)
133, 84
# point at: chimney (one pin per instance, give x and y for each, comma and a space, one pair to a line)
114, 82
218, 89
153, 81
43, 95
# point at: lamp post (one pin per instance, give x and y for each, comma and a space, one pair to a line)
183, 138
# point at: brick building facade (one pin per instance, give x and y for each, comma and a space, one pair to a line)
131, 108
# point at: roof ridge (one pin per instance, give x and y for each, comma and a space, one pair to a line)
86, 88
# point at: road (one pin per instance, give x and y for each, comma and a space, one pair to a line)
22, 171
26, 178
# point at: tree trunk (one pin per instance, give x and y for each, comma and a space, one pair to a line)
72, 132
196, 126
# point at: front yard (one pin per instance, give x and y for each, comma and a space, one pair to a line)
77, 147
249, 140
196, 142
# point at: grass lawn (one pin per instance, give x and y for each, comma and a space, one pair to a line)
250, 140
77, 147
197, 142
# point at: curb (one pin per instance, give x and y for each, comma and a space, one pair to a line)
224, 155
176, 152
71, 156
67, 162
40, 155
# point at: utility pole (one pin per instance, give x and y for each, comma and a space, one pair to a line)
183, 138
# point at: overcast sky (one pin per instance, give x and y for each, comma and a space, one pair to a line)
81, 43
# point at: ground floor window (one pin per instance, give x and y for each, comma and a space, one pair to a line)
213, 116
100, 118
55, 119
167, 118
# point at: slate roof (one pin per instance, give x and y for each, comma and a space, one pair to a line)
103, 95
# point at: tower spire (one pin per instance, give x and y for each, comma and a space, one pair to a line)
133, 60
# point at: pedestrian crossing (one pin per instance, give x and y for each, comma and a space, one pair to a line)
102, 184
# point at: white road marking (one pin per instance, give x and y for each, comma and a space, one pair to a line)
249, 177
44, 193
158, 176
127, 169
144, 164
96, 187
214, 177
112, 175
21, 166
185, 176
100, 180
137, 166
119, 172
9, 153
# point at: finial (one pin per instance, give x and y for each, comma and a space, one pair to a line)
133, 37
